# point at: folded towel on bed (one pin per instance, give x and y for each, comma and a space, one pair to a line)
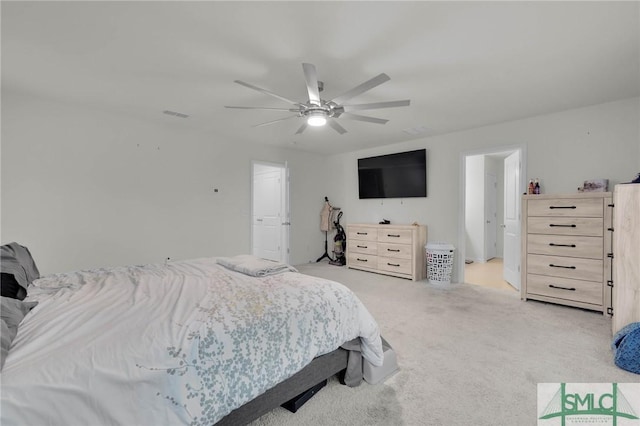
254, 266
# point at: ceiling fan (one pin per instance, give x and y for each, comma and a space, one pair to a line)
319, 112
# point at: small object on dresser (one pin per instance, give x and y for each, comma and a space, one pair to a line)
536, 187
531, 186
385, 222
637, 179
596, 185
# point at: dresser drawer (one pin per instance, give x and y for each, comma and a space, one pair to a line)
566, 267
363, 260
565, 245
587, 226
402, 251
399, 236
402, 266
588, 207
564, 288
363, 246
362, 233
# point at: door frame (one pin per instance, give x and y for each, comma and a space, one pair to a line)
461, 196
285, 234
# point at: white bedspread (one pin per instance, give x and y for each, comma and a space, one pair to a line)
165, 345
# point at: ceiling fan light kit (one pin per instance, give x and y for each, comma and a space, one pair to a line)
316, 118
318, 112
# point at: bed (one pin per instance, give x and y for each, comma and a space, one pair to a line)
191, 342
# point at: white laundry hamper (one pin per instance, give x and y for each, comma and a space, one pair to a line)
439, 262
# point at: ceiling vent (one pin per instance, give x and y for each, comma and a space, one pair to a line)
414, 131
175, 114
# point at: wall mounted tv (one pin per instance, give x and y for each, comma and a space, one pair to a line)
400, 175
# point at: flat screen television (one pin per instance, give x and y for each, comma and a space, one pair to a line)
400, 175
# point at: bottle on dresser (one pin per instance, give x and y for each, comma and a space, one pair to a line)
536, 187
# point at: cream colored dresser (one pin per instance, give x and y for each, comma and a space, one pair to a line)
566, 247
396, 250
626, 255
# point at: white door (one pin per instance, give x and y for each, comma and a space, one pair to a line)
512, 192
269, 212
490, 215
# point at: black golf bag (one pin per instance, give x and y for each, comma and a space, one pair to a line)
339, 244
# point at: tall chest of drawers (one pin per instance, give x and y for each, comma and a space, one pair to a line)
396, 250
566, 243
626, 255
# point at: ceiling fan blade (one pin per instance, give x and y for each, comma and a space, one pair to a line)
338, 128
266, 108
265, 91
367, 85
376, 105
363, 118
301, 129
311, 77
273, 121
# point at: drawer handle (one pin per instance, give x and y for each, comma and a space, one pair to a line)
562, 226
362, 260
362, 233
395, 250
392, 264
561, 245
560, 266
562, 207
393, 235
562, 288
362, 246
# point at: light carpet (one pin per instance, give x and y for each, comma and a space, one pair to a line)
468, 355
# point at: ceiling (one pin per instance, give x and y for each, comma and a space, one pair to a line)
462, 64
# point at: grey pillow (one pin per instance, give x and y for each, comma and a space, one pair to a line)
12, 312
16, 260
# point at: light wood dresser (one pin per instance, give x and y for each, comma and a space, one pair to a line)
396, 250
566, 249
626, 255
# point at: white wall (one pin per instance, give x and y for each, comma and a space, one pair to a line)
563, 149
499, 169
495, 166
474, 213
84, 188
477, 167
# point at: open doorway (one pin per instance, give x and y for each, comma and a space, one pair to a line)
270, 211
491, 184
